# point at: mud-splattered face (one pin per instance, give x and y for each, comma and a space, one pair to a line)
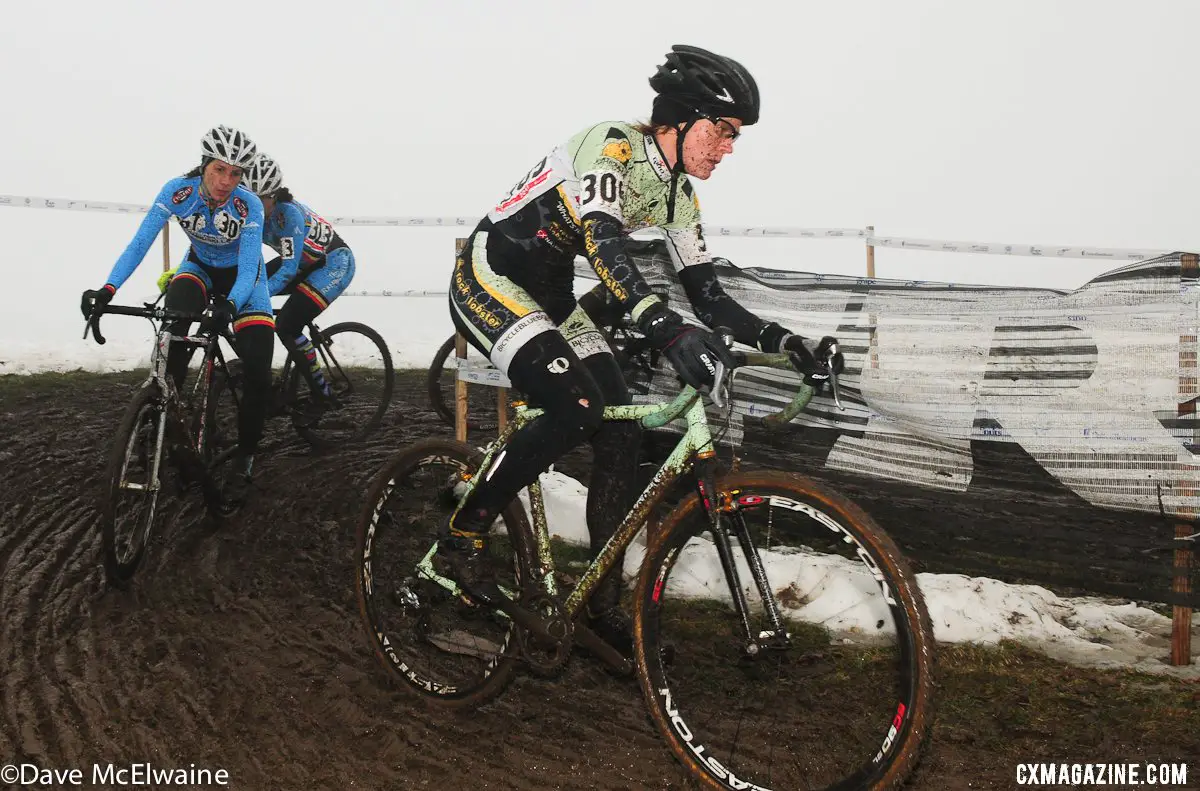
220, 179
707, 143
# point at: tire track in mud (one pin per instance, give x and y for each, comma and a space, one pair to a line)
238, 646
49, 484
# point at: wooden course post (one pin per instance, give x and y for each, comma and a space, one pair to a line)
870, 252
1181, 616
460, 386
1181, 566
166, 246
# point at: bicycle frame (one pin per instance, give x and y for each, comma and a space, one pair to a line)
693, 453
158, 376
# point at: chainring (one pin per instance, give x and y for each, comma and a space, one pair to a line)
545, 660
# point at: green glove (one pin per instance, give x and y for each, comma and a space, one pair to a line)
164, 279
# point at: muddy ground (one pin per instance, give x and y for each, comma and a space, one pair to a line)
241, 648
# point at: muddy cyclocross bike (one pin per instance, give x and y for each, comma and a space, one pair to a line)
781, 640
162, 442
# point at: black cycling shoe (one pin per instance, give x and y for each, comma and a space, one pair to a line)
464, 557
308, 411
614, 627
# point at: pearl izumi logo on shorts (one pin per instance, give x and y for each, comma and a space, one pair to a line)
558, 365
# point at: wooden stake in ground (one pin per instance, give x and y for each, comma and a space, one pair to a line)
1181, 616
460, 387
870, 253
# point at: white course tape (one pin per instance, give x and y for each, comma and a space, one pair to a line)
997, 248
775, 232
395, 292
32, 202
23, 202
408, 222
781, 232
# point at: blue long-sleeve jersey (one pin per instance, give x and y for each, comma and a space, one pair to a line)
222, 237
301, 237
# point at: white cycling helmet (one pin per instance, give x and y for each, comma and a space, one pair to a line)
264, 178
230, 146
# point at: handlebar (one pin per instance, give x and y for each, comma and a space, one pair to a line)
782, 361
149, 310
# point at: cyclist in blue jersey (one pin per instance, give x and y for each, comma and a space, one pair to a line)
314, 267
224, 222
512, 296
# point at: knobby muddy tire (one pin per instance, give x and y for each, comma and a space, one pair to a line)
295, 383
394, 471
688, 520
118, 571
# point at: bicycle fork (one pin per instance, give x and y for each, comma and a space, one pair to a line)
722, 511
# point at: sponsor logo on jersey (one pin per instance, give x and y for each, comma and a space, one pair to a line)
533, 179
618, 150
181, 195
606, 277
240, 207
473, 304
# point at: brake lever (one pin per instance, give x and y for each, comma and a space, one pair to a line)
833, 387
93, 326
833, 381
720, 388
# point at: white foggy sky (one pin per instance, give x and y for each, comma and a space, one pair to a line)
1026, 121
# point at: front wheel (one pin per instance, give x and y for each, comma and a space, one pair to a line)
136, 473
824, 679
355, 360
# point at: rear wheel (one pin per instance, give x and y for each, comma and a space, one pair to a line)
355, 360
834, 692
437, 643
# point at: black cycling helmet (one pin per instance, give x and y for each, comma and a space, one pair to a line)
696, 83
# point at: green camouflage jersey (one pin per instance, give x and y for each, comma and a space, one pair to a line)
565, 206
